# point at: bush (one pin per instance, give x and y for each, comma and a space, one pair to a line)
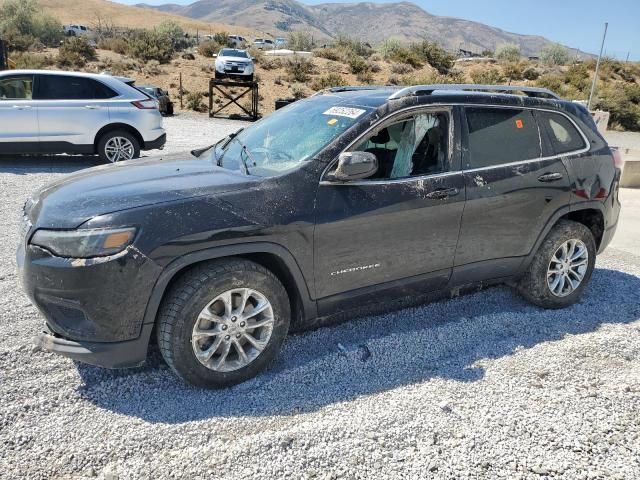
299, 68
389, 48
530, 74
75, 52
623, 103
271, 63
209, 48
31, 61
299, 91
116, 44
401, 68
435, 56
578, 76
22, 22
357, 64
514, 70
508, 52
194, 102
551, 81
328, 53
300, 41
489, 76
351, 46
555, 54
148, 45
328, 81
365, 77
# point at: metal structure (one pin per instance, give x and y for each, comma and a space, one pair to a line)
595, 76
4, 56
224, 88
429, 89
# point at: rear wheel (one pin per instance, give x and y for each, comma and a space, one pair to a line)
562, 267
223, 323
118, 145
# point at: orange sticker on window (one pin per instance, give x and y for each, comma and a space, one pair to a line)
519, 124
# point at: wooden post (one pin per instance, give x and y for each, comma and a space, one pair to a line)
180, 91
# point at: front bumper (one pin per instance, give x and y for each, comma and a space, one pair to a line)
126, 354
156, 144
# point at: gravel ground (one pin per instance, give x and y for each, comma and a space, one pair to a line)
481, 386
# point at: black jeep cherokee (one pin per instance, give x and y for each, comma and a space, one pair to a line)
349, 198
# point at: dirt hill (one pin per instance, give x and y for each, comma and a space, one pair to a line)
90, 12
368, 21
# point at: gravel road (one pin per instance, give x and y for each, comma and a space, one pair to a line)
483, 386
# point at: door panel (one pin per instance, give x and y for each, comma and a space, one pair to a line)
370, 233
18, 114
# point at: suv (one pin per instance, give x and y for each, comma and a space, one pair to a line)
67, 112
234, 63
353, 197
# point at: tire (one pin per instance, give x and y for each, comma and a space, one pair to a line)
534, 285
193, 294
105, 143
218, 75
169, 109
251, 77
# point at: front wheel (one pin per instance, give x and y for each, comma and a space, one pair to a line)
117, 146
562, 267
223, 323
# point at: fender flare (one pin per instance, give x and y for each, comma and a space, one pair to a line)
308, 305
574, 207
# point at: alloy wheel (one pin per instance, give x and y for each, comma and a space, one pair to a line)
118, 149
232, 330
567, 268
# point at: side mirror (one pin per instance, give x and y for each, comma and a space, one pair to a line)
355, 166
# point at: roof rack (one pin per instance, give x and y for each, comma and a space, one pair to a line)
429, 89
346, 89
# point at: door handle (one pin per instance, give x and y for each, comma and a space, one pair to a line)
22, 107
550, 177
443, 193
92, 107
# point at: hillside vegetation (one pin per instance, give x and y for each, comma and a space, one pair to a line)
162, 54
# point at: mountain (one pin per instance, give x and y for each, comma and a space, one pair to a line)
94, 12
372, 22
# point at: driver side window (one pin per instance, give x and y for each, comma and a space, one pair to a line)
413, 146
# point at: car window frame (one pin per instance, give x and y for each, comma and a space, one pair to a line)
550, 136
33, 87
547, 150
453, 120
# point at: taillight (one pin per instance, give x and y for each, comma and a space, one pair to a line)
148, 104
618, 160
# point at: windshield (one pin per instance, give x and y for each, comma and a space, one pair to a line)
232, 52
288, 137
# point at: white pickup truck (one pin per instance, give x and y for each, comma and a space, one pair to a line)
74, 30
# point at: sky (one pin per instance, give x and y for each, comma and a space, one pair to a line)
575, 23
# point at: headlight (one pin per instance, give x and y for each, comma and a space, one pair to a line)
84, 243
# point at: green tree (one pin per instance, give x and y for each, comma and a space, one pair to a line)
508, 52
22, 23
555, 54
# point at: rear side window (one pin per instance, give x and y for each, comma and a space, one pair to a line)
16, 88
563, 134
501, 135
61, 87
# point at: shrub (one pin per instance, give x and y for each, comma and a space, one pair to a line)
508, 52
578, 76
435, 56
618, 100
394, 80
22, 22
148, 45
328, 81
555, 54
489, 76
271, 63
530, 74
374, 67
75, 52
357, 64
300, 41
351, 46
365, 77
408, 56
551, 81
194, 102
401, 68
514, 70
115, 44
209, 48
33, 61
389, 48
328, 53
299, 68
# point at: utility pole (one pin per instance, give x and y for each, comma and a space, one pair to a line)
595, 77
627, 60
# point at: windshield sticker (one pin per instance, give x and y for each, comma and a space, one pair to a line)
333, 121
344, 112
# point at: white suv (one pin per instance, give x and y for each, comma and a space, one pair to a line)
234, 63
67, 112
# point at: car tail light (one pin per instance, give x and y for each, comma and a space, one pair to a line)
148, 104
618, 159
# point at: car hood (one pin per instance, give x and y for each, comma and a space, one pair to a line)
78, 197
235, 59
